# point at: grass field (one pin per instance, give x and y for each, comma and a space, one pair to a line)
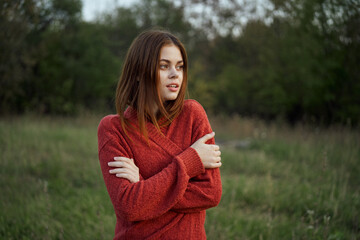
278, 182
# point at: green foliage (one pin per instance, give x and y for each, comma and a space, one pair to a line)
299, 62
77, 71
60, 64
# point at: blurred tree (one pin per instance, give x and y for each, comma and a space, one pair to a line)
164, 14
20, 21
48, 89
295, 66
77, 71
329, 80
52, 61
298, 62
120, 28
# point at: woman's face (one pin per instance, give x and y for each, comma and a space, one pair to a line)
170, 72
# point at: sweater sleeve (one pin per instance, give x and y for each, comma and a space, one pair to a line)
203, 191
150, 198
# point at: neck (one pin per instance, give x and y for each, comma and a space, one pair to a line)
154, 108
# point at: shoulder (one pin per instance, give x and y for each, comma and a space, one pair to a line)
193, 107
109, 122
195, 118
109, 127
193, 111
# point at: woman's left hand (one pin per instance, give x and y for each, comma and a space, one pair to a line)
125, 167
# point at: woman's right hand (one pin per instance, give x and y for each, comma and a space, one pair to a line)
208, 153
125, 167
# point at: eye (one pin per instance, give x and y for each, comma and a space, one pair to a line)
180, 67
163, 66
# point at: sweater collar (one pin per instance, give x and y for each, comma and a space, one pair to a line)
154, 134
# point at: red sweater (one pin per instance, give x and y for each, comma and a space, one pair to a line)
174, 190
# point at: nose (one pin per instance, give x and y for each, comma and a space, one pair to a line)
173, 73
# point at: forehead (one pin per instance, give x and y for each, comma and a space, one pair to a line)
170, 52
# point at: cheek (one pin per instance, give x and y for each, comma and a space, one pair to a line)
162, 76
181, 77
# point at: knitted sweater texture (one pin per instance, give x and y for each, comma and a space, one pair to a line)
174, 190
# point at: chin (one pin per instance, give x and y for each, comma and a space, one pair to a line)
171, 98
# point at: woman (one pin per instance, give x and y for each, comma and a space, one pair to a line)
157, 155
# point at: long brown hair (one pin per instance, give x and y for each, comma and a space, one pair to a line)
138, 85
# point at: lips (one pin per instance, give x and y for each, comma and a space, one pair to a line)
173, 87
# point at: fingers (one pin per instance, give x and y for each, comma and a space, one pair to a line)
124, 170
218, 162
121, 158
214, 164
217, 153
213, 160
207, 137
125, 173
216, 150
124, 167
120, 170
121, 162
125, 159
216, 147
127, 176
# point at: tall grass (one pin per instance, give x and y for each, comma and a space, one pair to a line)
287, 183
278, 182
50, 181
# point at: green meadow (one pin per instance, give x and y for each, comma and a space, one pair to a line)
279, 182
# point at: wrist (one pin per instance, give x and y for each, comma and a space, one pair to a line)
192, 162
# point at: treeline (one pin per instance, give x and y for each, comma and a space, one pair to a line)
297, 60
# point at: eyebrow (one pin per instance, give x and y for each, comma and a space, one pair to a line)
165, 60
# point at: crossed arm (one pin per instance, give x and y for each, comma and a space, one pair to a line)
209, 154
190, 183
202, 190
